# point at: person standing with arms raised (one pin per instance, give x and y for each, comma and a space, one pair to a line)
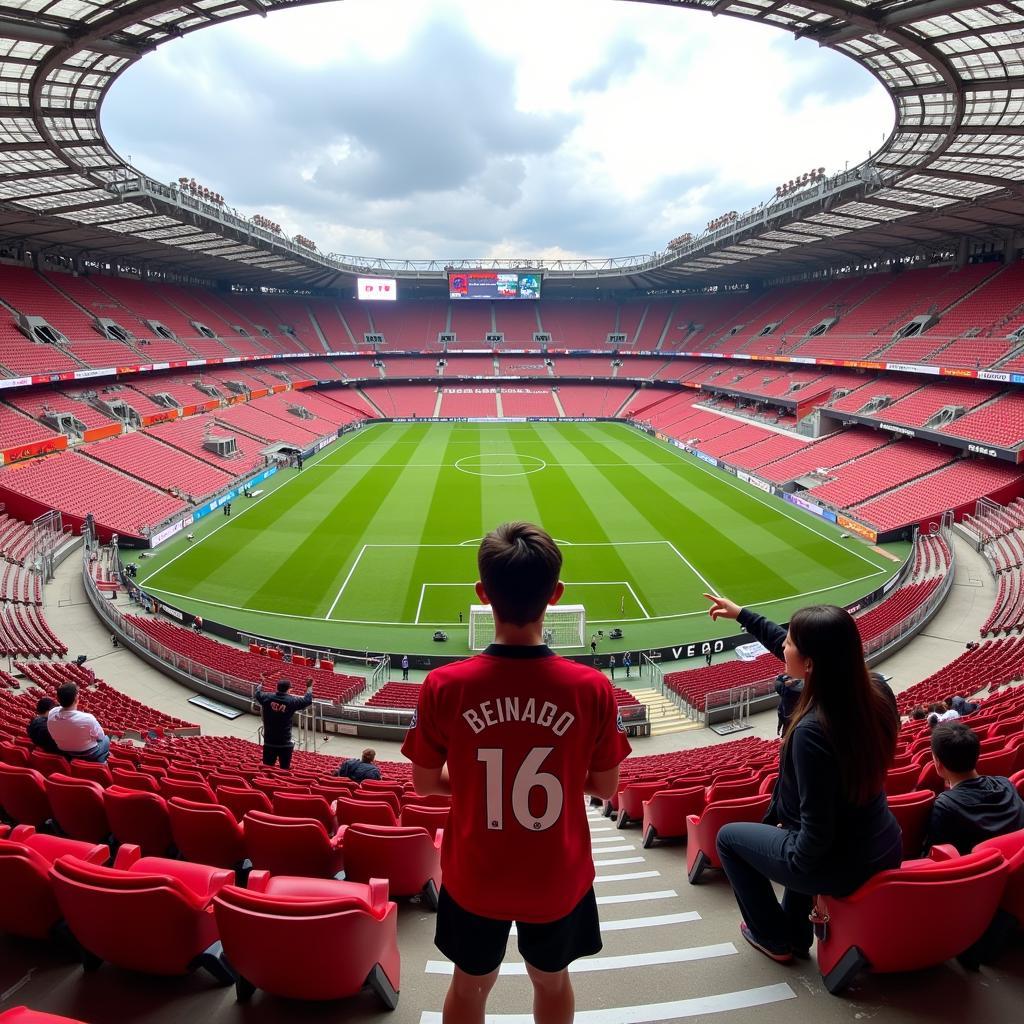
517, 736
278, 708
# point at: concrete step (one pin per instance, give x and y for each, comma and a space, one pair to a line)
663, 715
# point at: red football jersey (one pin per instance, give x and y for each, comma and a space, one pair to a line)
520, 729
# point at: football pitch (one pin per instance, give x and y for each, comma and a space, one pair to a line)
372, 546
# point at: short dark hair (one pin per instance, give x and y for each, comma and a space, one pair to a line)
919, 713
45, 704
283, 685
67, 694
369, 754
519, 565
956, 746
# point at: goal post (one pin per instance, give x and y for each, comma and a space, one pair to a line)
565, 625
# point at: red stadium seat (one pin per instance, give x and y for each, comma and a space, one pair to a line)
702, 832
138, 818
23, 795
910, 918
1011, 846
140, 781
29, 907
378, 796
241, 801
47, 763
145, 914
912, 811
365, 812
311, 939
11, 753
23, 1015
305, 805
92, 771
901, 780
409, 858
77, 806
632, 797
430, 818
666, 811
733, 789
198, 792
206, 833
291, 846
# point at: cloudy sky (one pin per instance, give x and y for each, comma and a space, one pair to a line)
455, 128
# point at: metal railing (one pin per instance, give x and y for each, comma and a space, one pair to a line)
740, 699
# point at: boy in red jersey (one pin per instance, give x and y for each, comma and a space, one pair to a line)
517, 736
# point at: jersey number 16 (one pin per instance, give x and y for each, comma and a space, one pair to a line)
527, 778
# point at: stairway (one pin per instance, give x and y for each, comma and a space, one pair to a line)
663, 715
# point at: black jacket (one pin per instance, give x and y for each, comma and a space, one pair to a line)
278, 711
974, 810
827, 832
39, 734
358, 769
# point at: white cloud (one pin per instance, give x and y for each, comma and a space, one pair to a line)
462, 128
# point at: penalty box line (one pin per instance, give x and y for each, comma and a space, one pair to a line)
584, 583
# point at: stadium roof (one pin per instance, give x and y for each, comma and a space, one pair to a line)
953, 166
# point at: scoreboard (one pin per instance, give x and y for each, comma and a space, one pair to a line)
493, 284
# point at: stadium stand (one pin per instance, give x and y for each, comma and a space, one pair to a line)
78, 485
188, 436
527, 403
144, 457
240, 669
468, 403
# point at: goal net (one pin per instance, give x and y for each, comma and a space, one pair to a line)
565, 625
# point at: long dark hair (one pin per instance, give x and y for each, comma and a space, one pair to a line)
857, 716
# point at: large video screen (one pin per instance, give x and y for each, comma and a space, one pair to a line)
493, 284
377, 289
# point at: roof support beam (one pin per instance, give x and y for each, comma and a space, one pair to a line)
26, 32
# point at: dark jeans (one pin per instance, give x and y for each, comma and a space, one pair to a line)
99, 753
273, 754
753, 856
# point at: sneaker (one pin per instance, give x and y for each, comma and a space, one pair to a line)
779, 958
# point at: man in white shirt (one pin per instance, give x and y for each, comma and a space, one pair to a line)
76, 733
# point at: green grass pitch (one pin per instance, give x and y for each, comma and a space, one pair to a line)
373, 545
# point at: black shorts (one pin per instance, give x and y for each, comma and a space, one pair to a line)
476, 945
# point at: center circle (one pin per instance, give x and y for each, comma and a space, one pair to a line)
500, 464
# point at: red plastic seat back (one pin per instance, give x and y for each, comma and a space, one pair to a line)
305, 805
290, 846
138, 818
77, 806
47, 763
143, 922
912, 811
90, 770
29, 907
306, 948
407, 857
139, 781
350, 812
206, 833
241, 801
733, 790
198, 792
911, 918
378, 796
23, 795
430, 818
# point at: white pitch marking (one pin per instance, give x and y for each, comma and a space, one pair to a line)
707, 583
610, 963
650, 1012
419, 604
618, 860
637, 897
629, 587
628, 876
330, 611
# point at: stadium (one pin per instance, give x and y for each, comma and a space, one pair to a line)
227, 457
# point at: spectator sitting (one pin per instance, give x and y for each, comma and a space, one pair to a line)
940, 712
962, 706
973, 807
76, 733
918, 714
360, 768
37, 731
